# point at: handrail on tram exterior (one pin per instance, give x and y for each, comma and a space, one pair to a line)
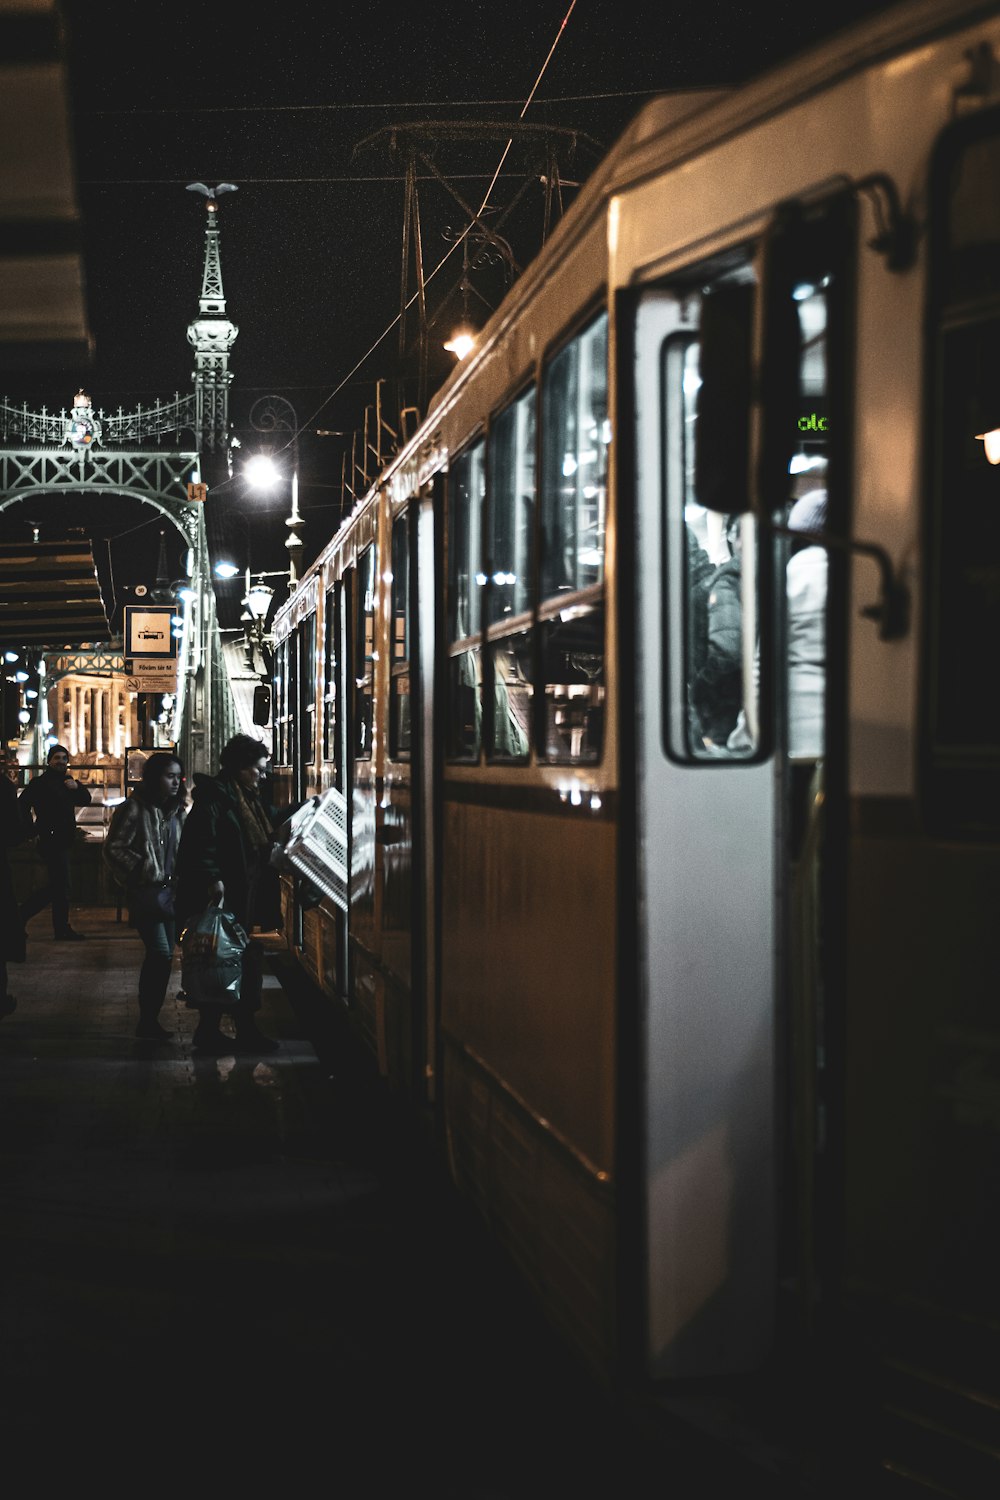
892, 610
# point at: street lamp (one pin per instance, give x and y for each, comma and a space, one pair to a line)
275, 414
256, 603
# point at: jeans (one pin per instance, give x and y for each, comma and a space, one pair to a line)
158, 938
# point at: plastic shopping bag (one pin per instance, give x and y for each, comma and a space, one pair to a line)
212, 948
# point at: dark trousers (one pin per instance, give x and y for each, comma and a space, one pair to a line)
158, 939
55, 889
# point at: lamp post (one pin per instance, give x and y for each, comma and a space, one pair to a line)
275, 414
256, 603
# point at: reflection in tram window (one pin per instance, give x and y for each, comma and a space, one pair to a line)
465, 583
511, 514
573, 500
466, 488
573, 665
307, 685
511, 696
399, 642
364, 654
511, 503
576, 433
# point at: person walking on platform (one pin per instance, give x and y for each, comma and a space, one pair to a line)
52, 799
13, 830
141, 852
223, 858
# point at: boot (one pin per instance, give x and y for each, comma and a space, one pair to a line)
154, 976
209, 1037
150, 1030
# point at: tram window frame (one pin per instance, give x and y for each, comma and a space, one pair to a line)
685, 518
464, 504
959, 761
365, 604
400, 640
511, 485
570, 728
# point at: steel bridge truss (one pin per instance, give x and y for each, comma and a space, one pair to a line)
205, 714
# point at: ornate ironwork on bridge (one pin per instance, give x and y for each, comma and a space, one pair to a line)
80, 450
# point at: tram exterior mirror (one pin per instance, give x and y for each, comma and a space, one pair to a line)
262, 704
722, 429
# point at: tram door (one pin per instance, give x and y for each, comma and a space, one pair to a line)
734, 762
706, 896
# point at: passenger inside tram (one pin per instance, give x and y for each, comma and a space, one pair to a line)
717, 685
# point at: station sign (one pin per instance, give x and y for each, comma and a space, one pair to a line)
150, 675
149, 632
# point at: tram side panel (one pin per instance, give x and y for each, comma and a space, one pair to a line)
528, 960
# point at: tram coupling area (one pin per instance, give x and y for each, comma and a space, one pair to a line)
253, 1269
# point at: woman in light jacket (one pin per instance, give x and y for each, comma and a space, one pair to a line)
141, 850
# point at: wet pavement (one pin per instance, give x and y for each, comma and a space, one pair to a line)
253, 1272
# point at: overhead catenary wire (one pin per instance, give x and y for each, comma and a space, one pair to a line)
451, 250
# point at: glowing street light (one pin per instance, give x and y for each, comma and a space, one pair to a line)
275, 414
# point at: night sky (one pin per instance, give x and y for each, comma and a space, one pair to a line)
294, 105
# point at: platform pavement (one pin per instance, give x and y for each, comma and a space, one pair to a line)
258, 1263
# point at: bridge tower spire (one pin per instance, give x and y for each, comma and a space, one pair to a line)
212, 335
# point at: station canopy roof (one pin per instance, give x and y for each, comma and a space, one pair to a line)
50, 595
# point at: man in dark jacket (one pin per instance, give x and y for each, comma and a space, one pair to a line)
717, 690
52, 800
224, 858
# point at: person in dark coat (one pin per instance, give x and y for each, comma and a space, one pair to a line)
223, 858
13, 831
52, 800
717, 691
141, 851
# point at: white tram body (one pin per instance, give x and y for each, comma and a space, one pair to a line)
707, 1011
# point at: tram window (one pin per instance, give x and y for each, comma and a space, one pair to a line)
711, 697
572, 651
291, 697
466, 579
399, 642
573, 508
511, 509
364, 654
329, 676
576, 433
282, 748
307, 687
